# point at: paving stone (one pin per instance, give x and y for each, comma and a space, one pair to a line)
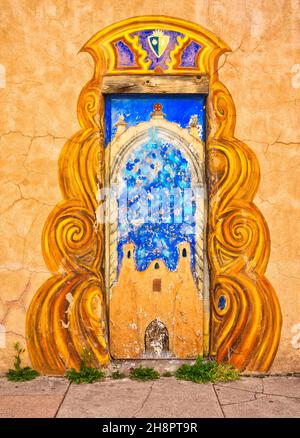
287, 386
166, 397
108, 399
246, 383
29, 406
230, 395
268, 406
171, 398
40, 385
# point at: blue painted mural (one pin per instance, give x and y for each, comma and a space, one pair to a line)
136, 108
156, 169
156, 205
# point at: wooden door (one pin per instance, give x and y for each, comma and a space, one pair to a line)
155, 242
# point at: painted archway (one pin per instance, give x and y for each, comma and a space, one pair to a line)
134, 137
68, 312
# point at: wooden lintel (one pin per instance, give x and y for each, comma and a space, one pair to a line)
162, 84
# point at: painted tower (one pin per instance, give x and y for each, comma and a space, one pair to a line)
156, 312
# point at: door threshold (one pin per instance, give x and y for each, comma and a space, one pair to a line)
161, 364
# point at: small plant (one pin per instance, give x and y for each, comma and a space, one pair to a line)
86, 373
167, 374
207, 371
144, 373
116, 375
20, 374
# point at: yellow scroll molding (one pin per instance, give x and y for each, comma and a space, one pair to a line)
68, 312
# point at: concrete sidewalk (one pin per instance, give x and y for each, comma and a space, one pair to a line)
167, 397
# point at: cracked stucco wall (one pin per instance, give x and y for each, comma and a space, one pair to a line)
41, 76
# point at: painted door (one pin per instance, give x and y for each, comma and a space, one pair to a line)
155, 247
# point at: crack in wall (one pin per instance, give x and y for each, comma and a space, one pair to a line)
33, 137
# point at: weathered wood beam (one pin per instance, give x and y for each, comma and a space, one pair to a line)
163, 84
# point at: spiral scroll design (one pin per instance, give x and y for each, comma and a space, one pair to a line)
246, 332
70, 229
59, 327
69, 311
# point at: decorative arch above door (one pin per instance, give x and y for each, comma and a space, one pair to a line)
68, 312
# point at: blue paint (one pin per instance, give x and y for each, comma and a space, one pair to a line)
161, 167
137, 108
126, 56
154, 169
188, 58
222, 302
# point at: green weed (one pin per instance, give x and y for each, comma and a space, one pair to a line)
116, 375
86, 373
144, 373
20, 374
207, 371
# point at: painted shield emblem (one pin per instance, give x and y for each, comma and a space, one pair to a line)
158, 42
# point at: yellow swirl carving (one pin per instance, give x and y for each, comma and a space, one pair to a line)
70, 229
68, 312
247, 332
62, 319
177, 49
142, 55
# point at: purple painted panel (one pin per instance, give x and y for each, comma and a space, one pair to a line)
188, 58
126, 56
158, 61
